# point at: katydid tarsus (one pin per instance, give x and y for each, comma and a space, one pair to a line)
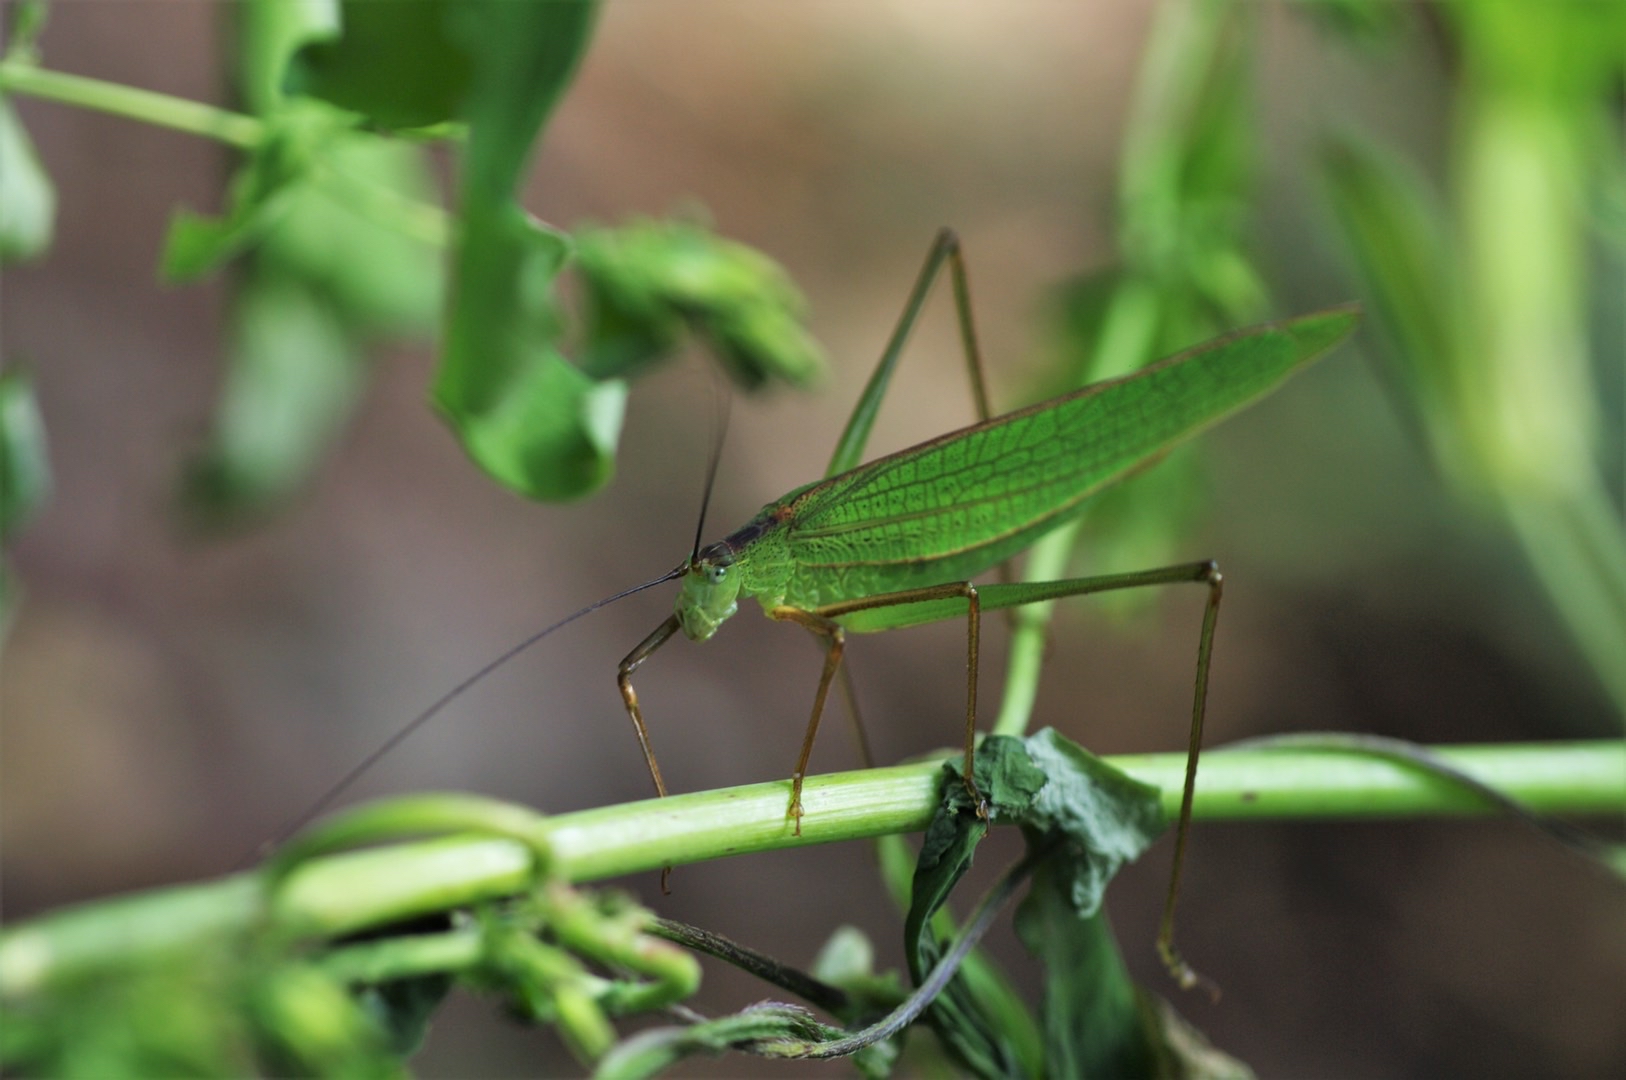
897, 541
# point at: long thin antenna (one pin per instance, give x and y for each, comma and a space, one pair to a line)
400, 736
711, 469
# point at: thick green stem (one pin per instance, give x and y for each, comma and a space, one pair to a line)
161, 110
345, 893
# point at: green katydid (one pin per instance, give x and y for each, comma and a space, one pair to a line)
896, 542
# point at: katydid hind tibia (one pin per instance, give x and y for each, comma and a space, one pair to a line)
897, 541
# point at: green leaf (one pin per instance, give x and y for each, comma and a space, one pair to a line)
27, 199
1092, 1019
378, 280
1102, 816
26, 24
528, 55
1096, 1021
530, 419
648, 281
269, 32
1088, 818
400, 64
1007, 780
1405, 259
197, 245
292, 380
25, 472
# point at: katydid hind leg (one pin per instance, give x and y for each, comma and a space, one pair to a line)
1176, 964
1207, 573
1010, 596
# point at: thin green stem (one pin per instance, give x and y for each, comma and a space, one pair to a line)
132, 103
346, 893
422, 221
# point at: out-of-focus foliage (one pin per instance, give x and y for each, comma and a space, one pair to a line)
267, 998
1484, 295
649, 281
27, 199
337, 241
1183, 272
25, 476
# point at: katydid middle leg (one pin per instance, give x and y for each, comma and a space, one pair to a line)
823, 622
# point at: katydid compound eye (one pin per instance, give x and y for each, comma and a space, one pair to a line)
717, 573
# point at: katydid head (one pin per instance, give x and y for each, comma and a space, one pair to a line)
710, 592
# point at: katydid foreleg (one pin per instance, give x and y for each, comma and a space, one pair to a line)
623, 679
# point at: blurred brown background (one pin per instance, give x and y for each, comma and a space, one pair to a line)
170, 699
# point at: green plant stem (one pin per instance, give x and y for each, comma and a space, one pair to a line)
346, 893
132, 103
420, 220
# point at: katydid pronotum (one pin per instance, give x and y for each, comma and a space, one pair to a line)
896, 542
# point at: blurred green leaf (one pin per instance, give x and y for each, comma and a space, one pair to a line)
184, 1018
25, 477
1393, 230
1189, 150
379, 280
1362, 23
650, 280
528, 55
1556, 51
196, 244
25, 472
534, 422
292, 380
530, 419
403, 64
27, 23
269, 32
1490, 325
27, 199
